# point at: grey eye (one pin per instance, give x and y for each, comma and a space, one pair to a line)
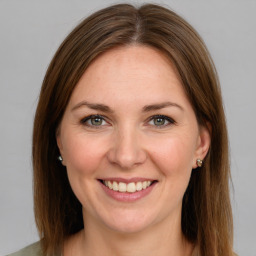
96, 121
159, 121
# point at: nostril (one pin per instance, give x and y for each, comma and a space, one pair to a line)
126, 158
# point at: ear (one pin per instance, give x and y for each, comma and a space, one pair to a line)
203, 144
60, 145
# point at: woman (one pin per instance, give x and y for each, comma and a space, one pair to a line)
130, 147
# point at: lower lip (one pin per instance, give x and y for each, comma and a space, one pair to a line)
126, 196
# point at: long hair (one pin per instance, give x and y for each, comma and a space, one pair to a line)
206, 209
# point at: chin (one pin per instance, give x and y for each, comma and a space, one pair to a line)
129, 228
129, 223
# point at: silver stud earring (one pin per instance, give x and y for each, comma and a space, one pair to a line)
60, 158
199, 162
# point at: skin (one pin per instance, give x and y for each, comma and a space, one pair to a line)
128, 143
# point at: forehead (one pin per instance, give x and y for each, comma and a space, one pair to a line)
134, 59
140, 72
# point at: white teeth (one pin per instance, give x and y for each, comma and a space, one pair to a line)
115, 186
144, 184
130, 187
109, 184
139, 186
122, 187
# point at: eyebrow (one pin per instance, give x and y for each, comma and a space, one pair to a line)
159, 106
95, 106
107, 109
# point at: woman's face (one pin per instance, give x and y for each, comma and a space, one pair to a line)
129, 139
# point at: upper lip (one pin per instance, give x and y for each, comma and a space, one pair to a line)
125, 180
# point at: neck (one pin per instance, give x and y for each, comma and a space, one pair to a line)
159, 239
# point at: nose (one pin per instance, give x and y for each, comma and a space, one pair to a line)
126, 149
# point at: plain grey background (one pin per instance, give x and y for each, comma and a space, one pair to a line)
32, 30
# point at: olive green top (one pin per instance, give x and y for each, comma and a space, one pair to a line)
35, 250
31, 250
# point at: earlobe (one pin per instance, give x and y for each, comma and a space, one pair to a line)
58, 138
60, 146
59, 143
204, 142
205, 138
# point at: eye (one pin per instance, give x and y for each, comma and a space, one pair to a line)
161, 121
94, 120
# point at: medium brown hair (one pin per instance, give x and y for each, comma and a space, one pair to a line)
206, 210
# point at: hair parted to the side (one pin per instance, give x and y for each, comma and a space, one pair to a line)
206, 210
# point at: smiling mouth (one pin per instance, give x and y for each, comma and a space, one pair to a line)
131, 187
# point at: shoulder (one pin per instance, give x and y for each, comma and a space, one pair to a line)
31, 250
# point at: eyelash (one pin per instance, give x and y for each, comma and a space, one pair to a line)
85, 120
165, 118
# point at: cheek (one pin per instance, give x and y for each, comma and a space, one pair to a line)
83, 154
174, 160
174, 156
